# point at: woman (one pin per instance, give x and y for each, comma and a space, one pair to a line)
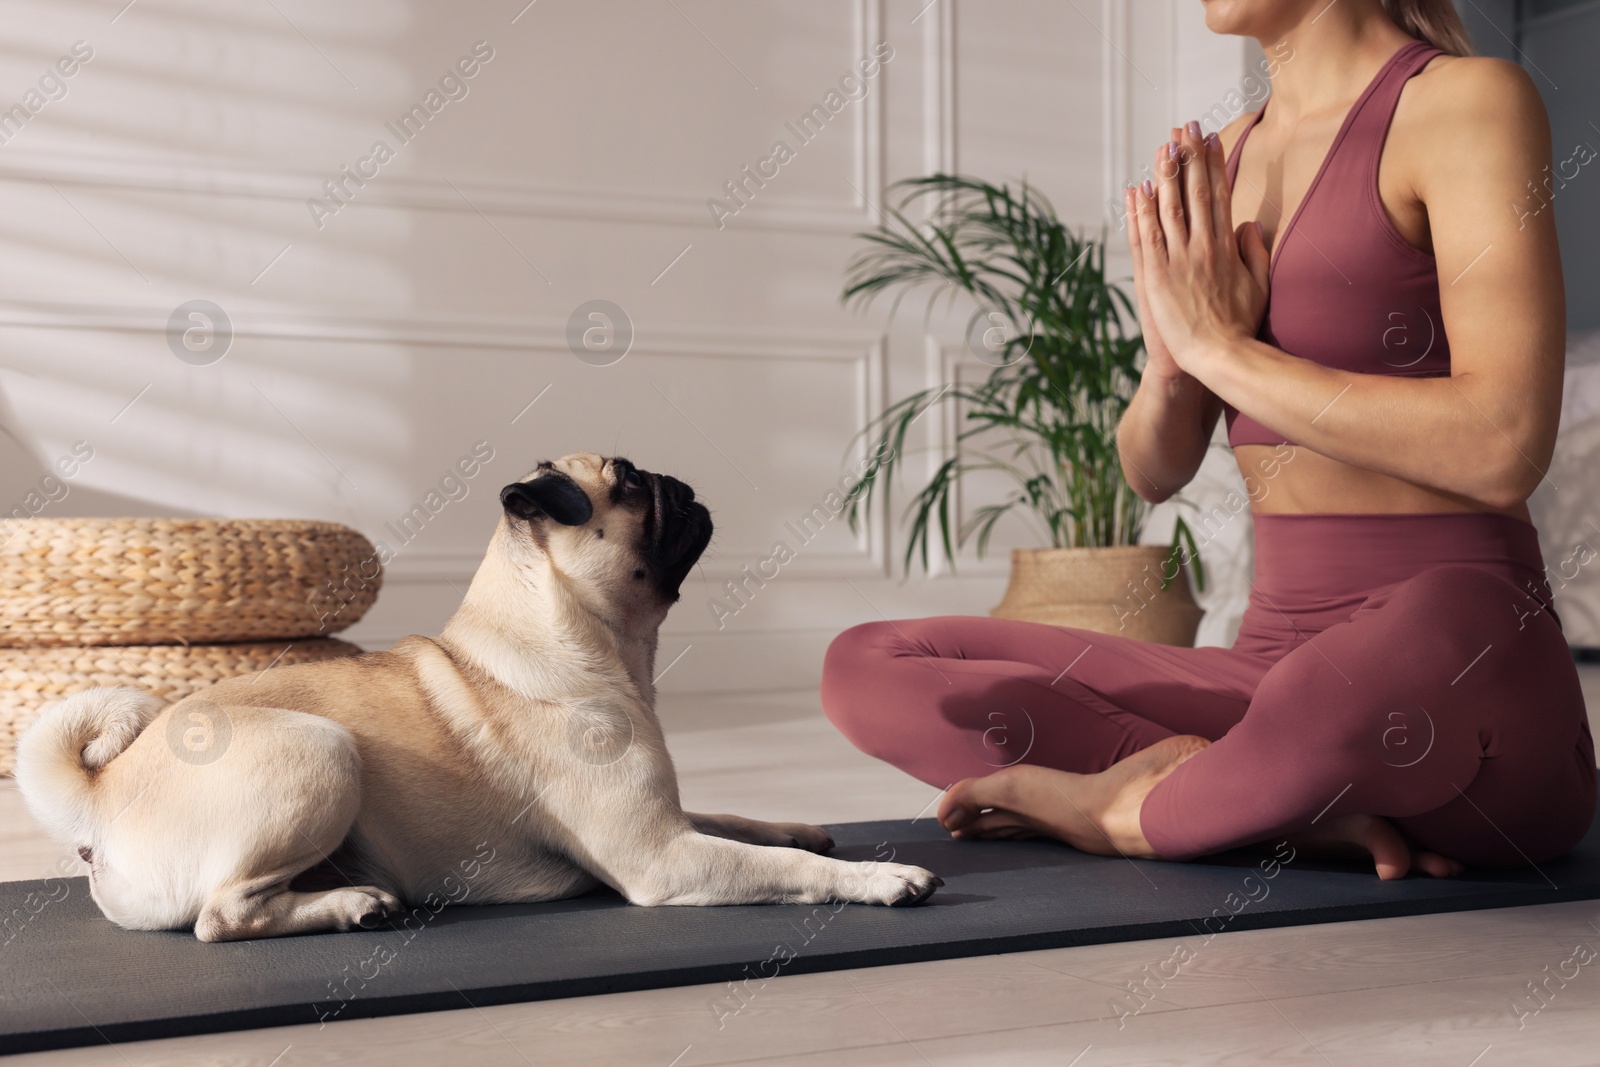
1386, 338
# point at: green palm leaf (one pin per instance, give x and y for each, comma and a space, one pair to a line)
1063, 383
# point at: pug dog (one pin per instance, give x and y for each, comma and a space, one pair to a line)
514, 758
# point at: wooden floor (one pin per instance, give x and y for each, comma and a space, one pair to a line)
1437, 989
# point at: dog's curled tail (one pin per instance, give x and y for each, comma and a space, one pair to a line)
58, 755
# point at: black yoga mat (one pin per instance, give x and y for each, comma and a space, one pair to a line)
69, 977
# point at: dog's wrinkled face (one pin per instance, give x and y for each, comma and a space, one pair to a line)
626, 533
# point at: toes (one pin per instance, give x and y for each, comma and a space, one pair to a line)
1016, 833
957, 805
376, 909
914, 894
899, 885
993, 824
1391, 855
1438, 866
965, 800
916, 888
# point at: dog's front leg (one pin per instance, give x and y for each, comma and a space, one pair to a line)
656, 856
696, 868
756, 832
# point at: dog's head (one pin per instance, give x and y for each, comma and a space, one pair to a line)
625, 534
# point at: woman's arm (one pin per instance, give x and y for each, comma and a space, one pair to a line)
1163, 435
1488, 431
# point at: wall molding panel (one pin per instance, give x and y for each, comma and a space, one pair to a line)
939, 87
400, 333
770, 212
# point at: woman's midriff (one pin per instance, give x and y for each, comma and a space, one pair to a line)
1289, 479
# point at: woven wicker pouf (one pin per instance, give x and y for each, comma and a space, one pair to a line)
181, 581
31, 678
1114, 590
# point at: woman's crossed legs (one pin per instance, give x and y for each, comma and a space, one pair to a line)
1442, 705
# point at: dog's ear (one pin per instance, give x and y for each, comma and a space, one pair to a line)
553, 494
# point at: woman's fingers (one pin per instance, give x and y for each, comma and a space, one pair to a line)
1163, 162
1152, 239
1136, 249
1169, 196
1198, 188
1130, 210
1222, 189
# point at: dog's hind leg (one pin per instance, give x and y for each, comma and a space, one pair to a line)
214, 837
302, 794
267, 907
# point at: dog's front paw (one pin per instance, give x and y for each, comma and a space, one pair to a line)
899, 885
803, 835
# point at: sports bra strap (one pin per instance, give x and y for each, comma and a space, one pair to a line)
1367, 127
1232, 166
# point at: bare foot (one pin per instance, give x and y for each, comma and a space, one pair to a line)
1099, 813
1361, 836
1096, 813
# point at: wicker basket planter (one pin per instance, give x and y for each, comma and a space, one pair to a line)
31, 678
181, 581
1109, 590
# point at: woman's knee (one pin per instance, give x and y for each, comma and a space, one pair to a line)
854, 661
856, 652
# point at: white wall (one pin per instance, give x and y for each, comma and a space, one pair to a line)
371, 352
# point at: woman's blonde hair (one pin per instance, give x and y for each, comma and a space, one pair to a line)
1434, 21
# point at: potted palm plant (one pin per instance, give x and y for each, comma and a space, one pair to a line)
1055, 332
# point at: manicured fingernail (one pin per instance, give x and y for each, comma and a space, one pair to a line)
1194, 129
1213, 140
955, 819
1149, 189
1172, 149
1260, 232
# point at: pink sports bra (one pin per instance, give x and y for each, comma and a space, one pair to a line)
1348, 291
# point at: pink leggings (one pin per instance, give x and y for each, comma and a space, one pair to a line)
1409, 666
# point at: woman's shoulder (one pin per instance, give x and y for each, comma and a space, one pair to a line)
1460, 90
1459, 111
